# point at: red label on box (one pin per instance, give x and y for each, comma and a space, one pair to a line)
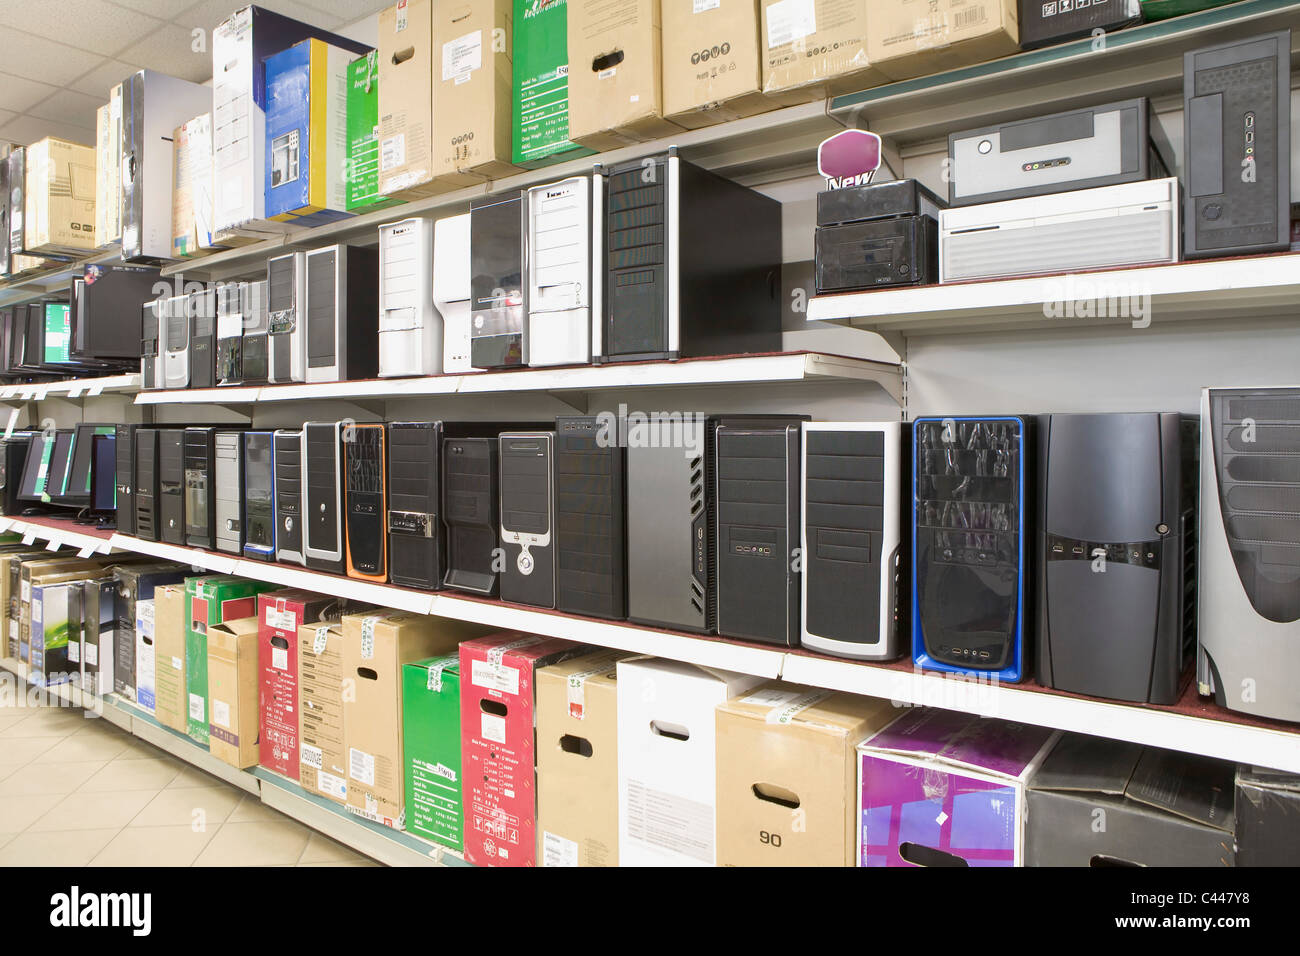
278, 618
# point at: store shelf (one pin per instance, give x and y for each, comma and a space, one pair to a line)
1255, 286
71, 389
56, 278
58, 533
772, 368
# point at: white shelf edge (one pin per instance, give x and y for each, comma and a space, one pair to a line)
193, 754
85, 544
72, 389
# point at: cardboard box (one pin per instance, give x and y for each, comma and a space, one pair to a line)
98, 635
406, 63
55, 616
667, 774
816, 48
108, 169
281, 614
192, 196
787, 771
10, 565
577, 761
1099, 802
471, 91
910, 38
144, 656
616, 73
232, 691
363, 134
431, 746
47, 571
135, 582
1164, 9
1268, 817
59, 211
210, 600
939, 788
541, 85
171, 705
322, 758
1043, 23
375, 646
712, 69
307, 134
497, 708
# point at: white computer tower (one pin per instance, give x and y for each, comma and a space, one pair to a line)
410, 328
174, 341
564, 222
451, 282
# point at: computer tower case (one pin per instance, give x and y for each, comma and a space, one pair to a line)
590, 517
228, 486
203, 339
410, 329
671, 520
854, 539
171, 485
366, 500
286, 295
288, 496
324, 524
5, 266
691, 264
1249, 551
877, 235
499, 330
1117, 540
527, 506
971, 560
17, 205
152, 361
110, 300
200, 487
469, 508
254, 345
562, 287
259, 495
417, 542
342, 313
146, 484
13, 458
126, 458
1237, 147
756, 493
451, 290
230, 332
174, 322
153, 105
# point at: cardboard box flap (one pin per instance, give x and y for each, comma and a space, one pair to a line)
1088, 765
223, 638
995, 747
682, 669
777, 702
433, 669
517, 647
1197, 788
599, 667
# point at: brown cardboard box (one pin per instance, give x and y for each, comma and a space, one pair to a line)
815, 48
59, 211
712, 70
9, 565
471, 91
232, 691
577, 761
322, 765
171, 703
406, 63
787, 774
911, 38
375, 646
615, 73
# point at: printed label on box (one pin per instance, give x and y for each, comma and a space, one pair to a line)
557, 851
281, 619
328, 783
311, 756
196, 707
392, 152
280, 658
462, 56
493, 728
220, 713
361, 766
495, 676
790, 20
699, 6
669, 822
177, 664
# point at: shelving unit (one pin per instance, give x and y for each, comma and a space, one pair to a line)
71, 389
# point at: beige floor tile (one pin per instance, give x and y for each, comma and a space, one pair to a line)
6, 837
88, 810
362, 861
78, 747
190, 776
321, 849
7, 768
260, 843
137, 749
46, 724
11, 715
69, 848
26, 749
154, 846
119, 775
181, 807
19, 811
251, 809
51, 777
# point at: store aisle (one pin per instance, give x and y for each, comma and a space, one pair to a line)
77, 791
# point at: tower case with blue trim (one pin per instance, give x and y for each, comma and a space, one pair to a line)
972, 557
259, 495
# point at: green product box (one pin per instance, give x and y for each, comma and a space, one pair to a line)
212, 599
431, 743
541, 85
1164, 9
363, 134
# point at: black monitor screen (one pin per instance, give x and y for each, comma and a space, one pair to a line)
56, 475
103, 476
36, 466
78, 484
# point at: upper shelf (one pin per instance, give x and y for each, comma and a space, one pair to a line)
72, 388
56, 278
1210, 289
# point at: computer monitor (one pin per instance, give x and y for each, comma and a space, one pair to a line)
58, 334
56, 481
35, 468
103, 480
78, 486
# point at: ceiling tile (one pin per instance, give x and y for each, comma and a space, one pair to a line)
28, 129
208, 14
106, 74
164, 9
50, 62
93, 25
172, 50
20, 94
69, 106
350, 10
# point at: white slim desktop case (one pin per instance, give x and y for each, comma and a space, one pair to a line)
410, 328
451, 281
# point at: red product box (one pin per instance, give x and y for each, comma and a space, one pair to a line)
279, 615
498, 766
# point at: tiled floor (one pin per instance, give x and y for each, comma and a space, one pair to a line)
77, 791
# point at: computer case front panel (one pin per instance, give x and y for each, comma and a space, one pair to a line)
590, 518
259, 495
469, 507
366, 501
324, 525
416, 533
288, 496
171, 485
527, 507
228, 482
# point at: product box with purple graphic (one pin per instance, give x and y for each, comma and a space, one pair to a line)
937, 788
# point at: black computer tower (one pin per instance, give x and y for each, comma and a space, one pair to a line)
342, 313
150, 360
5, 266
498, 312
125, 451
111, 297
171, 485
1116, 532
324, 525
366, 500
470, 510
259, 495
756, 489
146, 484
417, 543
200, 492
527, 503
590, 518
1237, 147
288, 496
254, 344
692, 264
203, 339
